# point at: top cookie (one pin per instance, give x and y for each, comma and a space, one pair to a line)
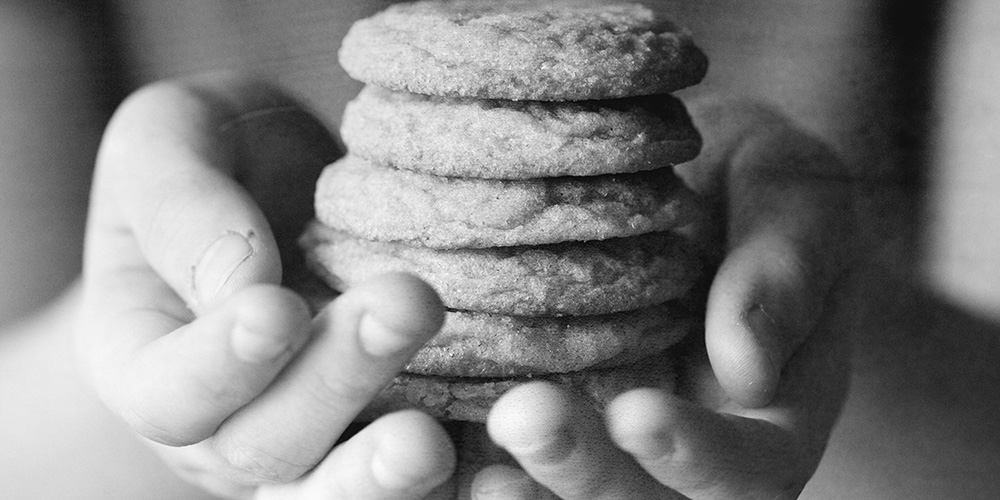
522, 50
504, 139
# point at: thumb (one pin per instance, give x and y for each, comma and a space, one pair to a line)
165, 193
763, 304
789, 209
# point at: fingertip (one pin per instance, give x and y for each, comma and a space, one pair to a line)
400, 456
271, 323
640, 422
402, 302
412, 451
394, 314
270, 307
753, 321
533, 421
698, 452
562, 442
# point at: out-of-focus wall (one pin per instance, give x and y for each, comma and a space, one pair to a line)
834, 67
824, 63
830, 65
963, 228
854, 73
49, 128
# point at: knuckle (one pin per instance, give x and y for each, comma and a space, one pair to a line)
199, 466
167, 433
255, 465
177, 420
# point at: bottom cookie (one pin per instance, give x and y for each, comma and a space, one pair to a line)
495, 346
470, 399
475, 344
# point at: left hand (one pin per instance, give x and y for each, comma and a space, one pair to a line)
185, 334
762, 394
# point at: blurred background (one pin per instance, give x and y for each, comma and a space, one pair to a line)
901, 90
858, 73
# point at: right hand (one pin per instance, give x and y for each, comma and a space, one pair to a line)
186, 334
764, 388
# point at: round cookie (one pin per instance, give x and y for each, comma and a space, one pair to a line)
387, 204
469, 399
473, 344
476, 344
522, 50
500, 139
575, 278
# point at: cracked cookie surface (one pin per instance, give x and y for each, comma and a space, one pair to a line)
500, 139
485, 345
473, 344
574, 278
386, 204
522, 50
469, 399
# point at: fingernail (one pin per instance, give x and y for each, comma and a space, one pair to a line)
256, 347
765, 329
379, 340
218, 265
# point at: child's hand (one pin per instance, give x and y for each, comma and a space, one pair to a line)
774, 343
186, 334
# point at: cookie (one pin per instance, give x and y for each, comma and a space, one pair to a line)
386, 204
476, 344
473, 344
522, 50
469, 399
500, 139
575, 278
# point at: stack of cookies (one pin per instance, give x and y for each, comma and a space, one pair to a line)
518, 157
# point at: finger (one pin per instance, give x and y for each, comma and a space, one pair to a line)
763, 303
363, 339
700, 453
561, 442
503, 482
741, 452
229, 356
165, 177
788, 211
400, 456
